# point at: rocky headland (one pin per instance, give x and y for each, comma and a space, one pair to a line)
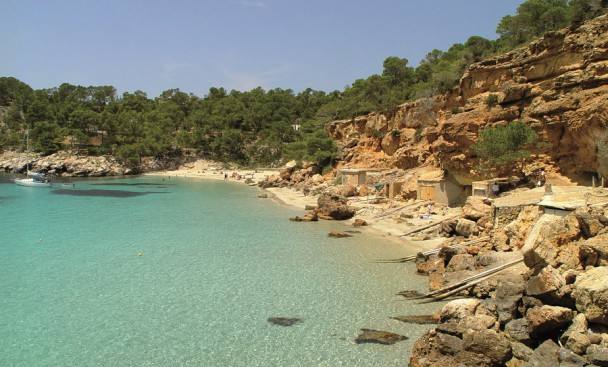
72, 164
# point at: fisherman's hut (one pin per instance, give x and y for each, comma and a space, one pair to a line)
440, 188
354, 176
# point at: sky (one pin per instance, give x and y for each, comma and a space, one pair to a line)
154, 45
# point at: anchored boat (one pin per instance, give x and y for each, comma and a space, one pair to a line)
33, 179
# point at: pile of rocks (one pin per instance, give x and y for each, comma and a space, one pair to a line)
306, 178
555, 313
477, 219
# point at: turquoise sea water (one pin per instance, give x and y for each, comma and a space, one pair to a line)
187, 275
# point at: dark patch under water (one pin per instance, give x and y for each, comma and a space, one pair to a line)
130, 184
106, 193
284, 321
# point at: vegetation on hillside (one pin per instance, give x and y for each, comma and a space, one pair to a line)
504, 145
260, 127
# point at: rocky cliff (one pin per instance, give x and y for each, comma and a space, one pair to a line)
557, 84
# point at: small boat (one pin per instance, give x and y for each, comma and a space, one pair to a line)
36, 180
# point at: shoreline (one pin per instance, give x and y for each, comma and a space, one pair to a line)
294, 199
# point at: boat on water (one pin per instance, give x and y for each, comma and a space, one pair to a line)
35, 180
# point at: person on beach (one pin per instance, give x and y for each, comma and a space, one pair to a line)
225, 176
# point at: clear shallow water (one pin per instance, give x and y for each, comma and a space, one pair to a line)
215, 263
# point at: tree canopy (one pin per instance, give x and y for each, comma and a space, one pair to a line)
259, 126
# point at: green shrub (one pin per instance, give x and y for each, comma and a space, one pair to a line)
491, 100
501, 145
377, 134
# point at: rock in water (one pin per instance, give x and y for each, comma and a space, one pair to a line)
378, 337
334, 206
284, 321
338, 234
417, 319
359, 222
411, 294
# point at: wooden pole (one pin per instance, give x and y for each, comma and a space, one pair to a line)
465, 281
427, 226
470, 284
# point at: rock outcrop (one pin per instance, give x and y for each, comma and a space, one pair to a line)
65, 163
558, 85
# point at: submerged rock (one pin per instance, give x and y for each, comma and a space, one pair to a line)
359, 222
308, 217
284, 321
338, 234
410, 294
378, 337
417, 319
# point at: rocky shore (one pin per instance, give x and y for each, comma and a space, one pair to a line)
71, 164
549, 309
552, 312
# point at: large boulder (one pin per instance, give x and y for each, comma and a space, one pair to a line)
518, 330
598, 355
514, 234
334, 206
545, 319
461, 262
550, 286
576, 337
466, 228
549, 243
545, 355
459, 309
476, 207
595, 250
489, 343
591, 294
549, 280
590, 222
507, 296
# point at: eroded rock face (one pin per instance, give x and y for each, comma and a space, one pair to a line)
558, 85
591, 294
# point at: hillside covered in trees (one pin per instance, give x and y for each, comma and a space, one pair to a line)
257, 127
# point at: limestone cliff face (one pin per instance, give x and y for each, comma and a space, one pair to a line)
557, 84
